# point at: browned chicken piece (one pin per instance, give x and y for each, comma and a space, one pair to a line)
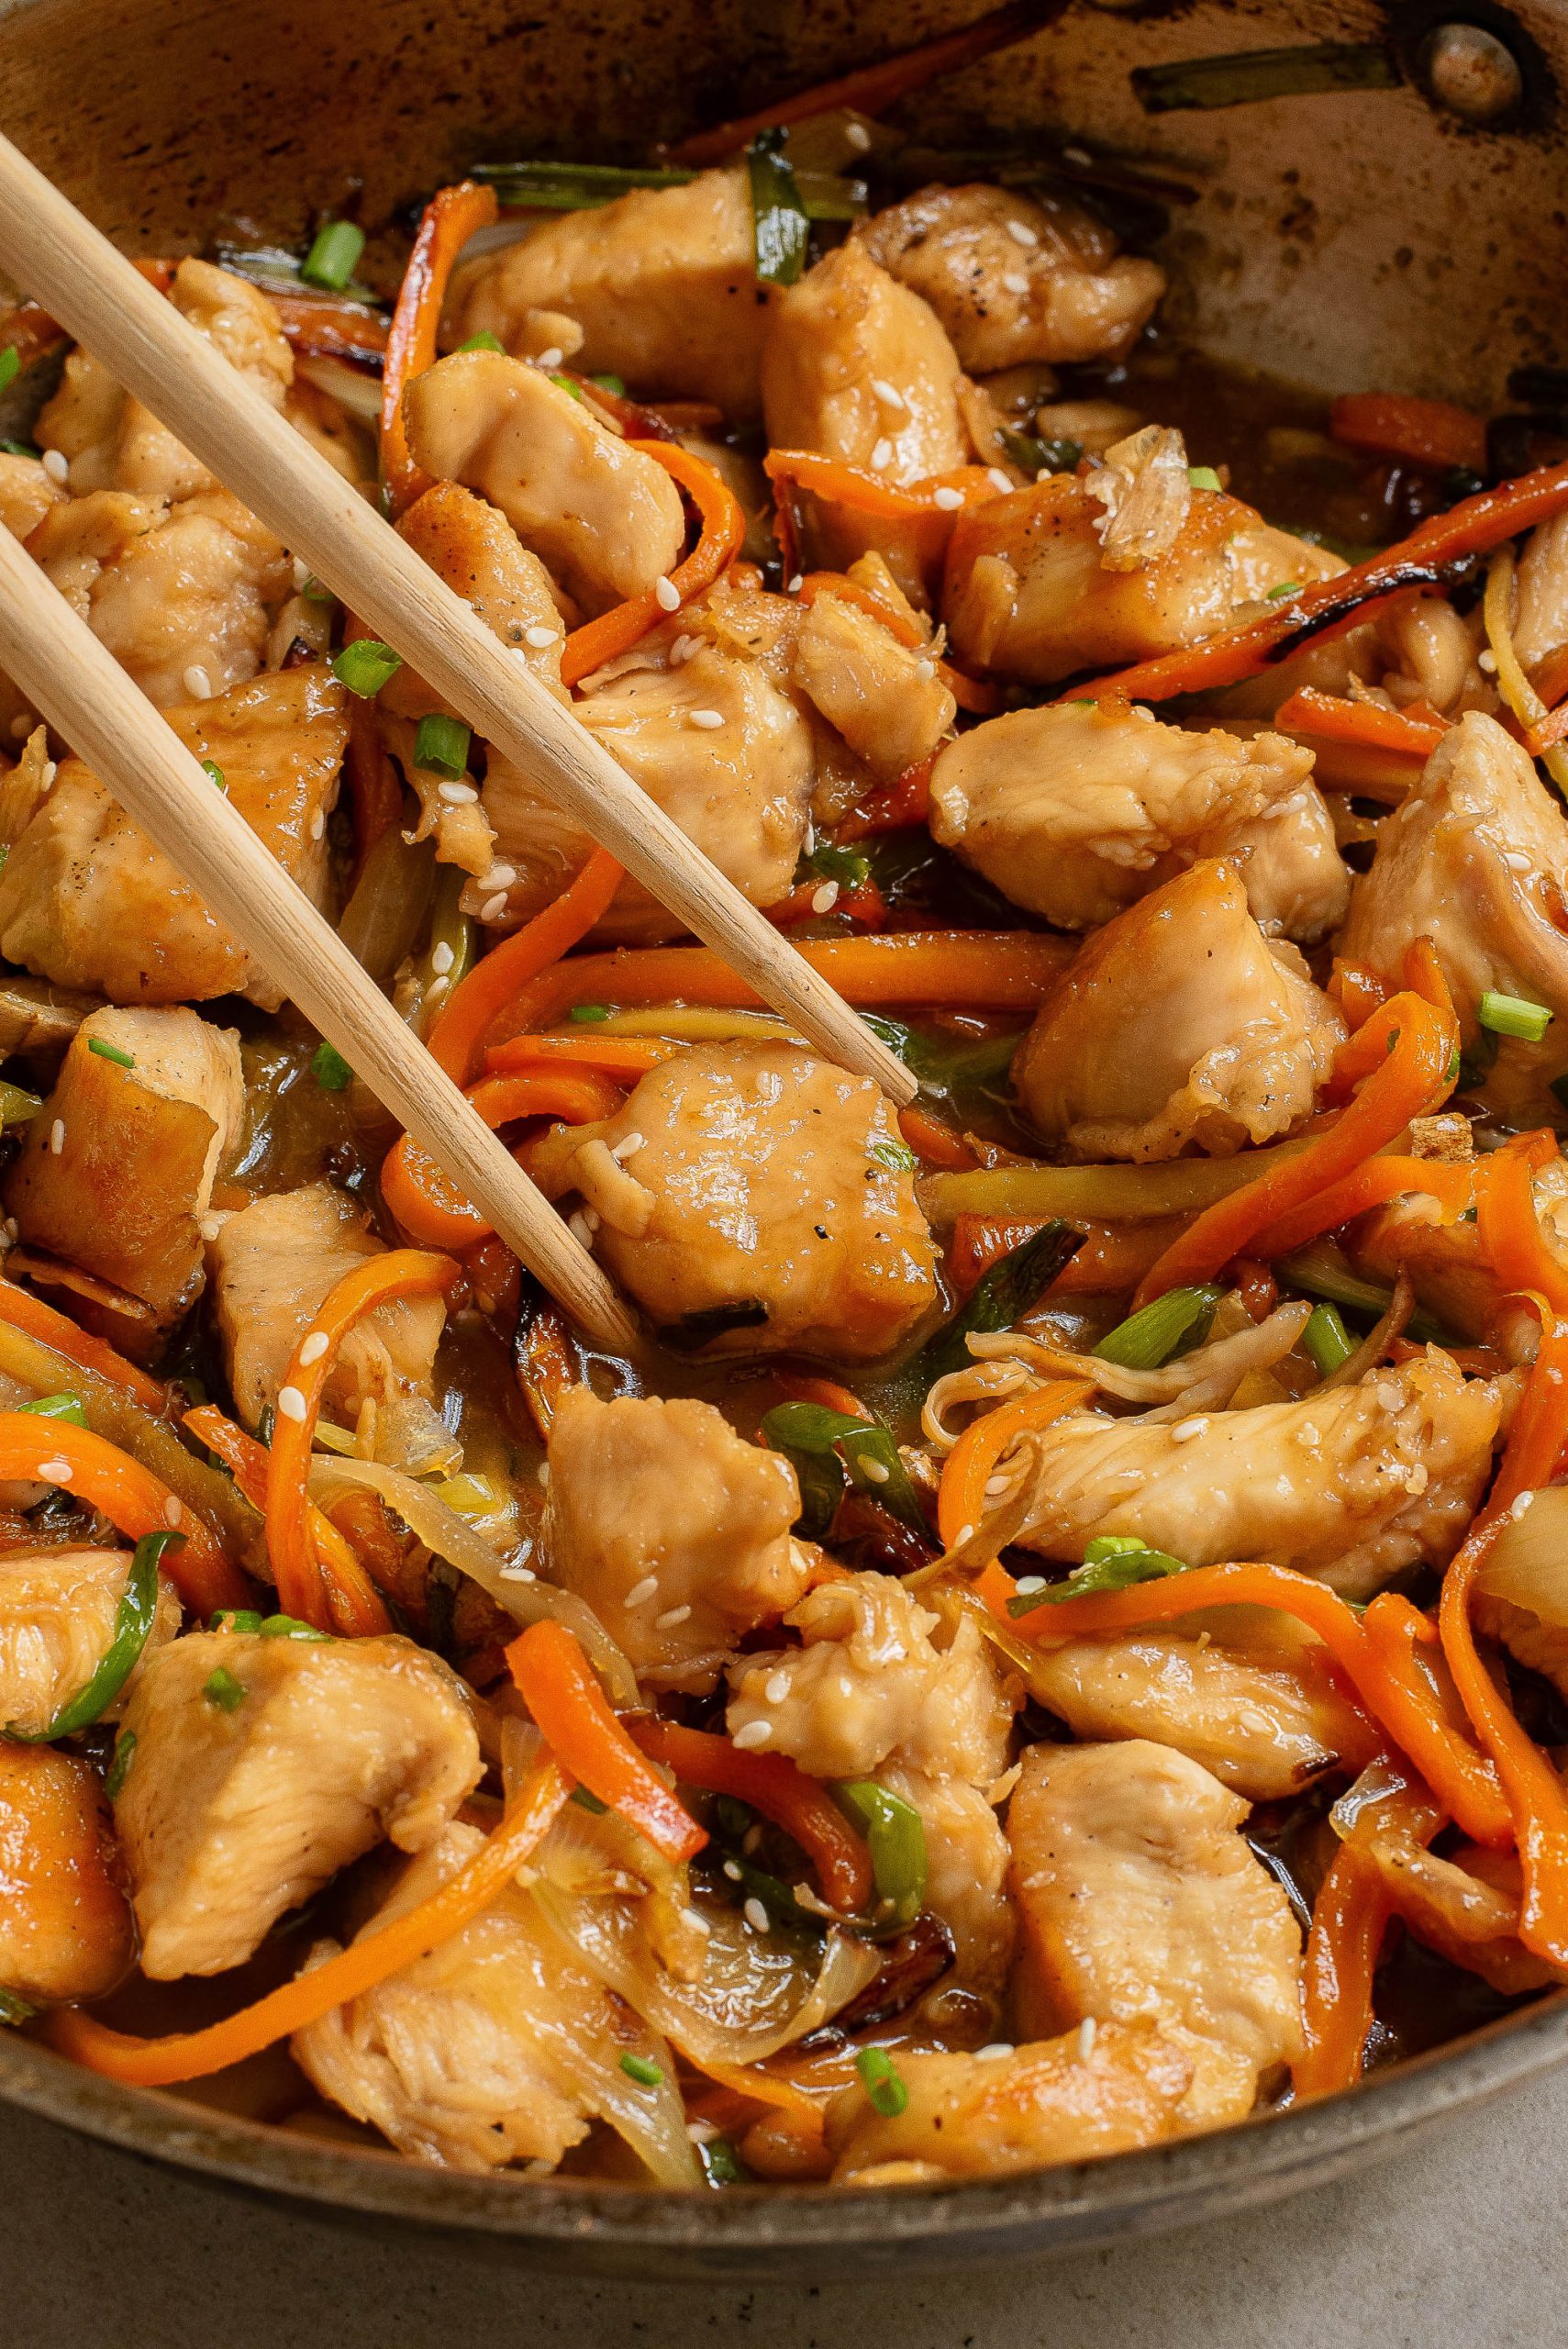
262, 1767
886, 699
1298, 884
57, 1623
1138, 1900
497, 2047
966, 1873
1074, 2099
274, 1264
705, 1553
477, 551
86, 900
1540, 594
1447, 1269
65, 1923
1177, 1025
1477, 858
606, 519
753, 1196
663, 284
115, 1173
26, 493
868, 1684
1075, 810
1350, 1484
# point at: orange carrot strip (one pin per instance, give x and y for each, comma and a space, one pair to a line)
1433, 433
1308, 711
960, 1500
839, 484
902, 806
624, 1057
1350, 1917
422, 1197
318, 326
804, 1387
57, 1331
557, 1683
193, 2054
719, 541
53, 1451
936, 1143
780, 1790
451, 217
458, 1032
1451, 1182
362, 1613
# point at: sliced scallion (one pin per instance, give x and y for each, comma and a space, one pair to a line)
824, 1446
1034, 455
441, 746
1513, 1015
1111, 1562
1150, 1337
288, 1627
1286, 587
331, 260
222, 1690
64, 1406
10, 366
330, 1069
1002, 1294
1204, 477
781, 229
894, 1154
896, 1837
366, 665
133, 1621
107, 1052
588, 1014
615, 385
1326, 1339
643, 2070
879, 2078
215, 776
484, 341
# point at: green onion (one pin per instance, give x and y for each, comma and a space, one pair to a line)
1002, 1294
10, 366
120, 1768
366, 665
316, 591
20, 449
781, 229
63, 1406
214, 775
1286, 588
288, 1627
18, 1105
221, 1689
643, 2070
266, 1421
1149, 1338
15, 2011
107, 1051
484, 341
565, 383
607, 382
895, 1154
1247, 75
882, 2086
580, 187
1326, 1339
133, 1621
585, 1013
1511, 1015
235, 1618
845, 864
331, 260
823, 1446
1111, 1562
722, 2164
441, 746
330, 1069
1319, 1270
896, 1837
1204, 477
1034, 455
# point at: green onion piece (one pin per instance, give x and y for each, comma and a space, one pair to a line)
289, 1627
316, 591
1204, 477
882, 2086
1007, 1291
1105, 1569
63, 1406
1149, 1338
580, 187
133, 1621
1112, 1545
366, 665
823, 1446
643, 2070
565, 383
331, 260
18, 1105
484, 341
1246, 75
1032, 455
1320, 1271
120, 1768
222, 1690
441, 746
20, 449
607, 382
845, 864
10, 365
896, 1836
722, 2164
586, 1013
586, 1801
1511, 1015
1286, 588
780, 226
215, 776
895, 1154
107, 1051
1326, 1339
15, 2011
330, 1069
266, 1421
235, 1618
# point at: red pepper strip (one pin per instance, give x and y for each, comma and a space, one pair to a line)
1308, 711
780, 1790
423, 1198
557, 1684
451, 217
1433, 433
722, 535
458, 1032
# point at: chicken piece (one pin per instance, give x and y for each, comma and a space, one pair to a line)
57, 1621
1178, 1025
86, 900
1447, 1269
1076, 810
759, 1200
237, 1806
606, 519
1298, 885
1015, 278
1074, 2099
1477, 858
26, 493
65, 1924
663, 284
1540, 594
1138, 1900
867, 1685
116, 1171
182, 596
477, 554
886, 698
1030, 592
1350, 1484
675, 1532
966, 1873
272, 1266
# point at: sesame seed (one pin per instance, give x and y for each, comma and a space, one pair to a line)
291, 1404
57, 1137
823, 900
1516, 860
750, 1734
314, 1347
1087, 2030
670, 1618
1015, 281
994, 1485
642, 1592
172, 1511
56, 465
1021, 233
993, 2051
457, 795
666, 594
948, 499
442, 959
877, 1470
682, 650
493, 908
997, 478
882, 456
1184, 1430
577, 1225
966, 1533
857, 136
756, 1916
798, 582
317, 825
197, 682
698, 1922
888, 394
1487, 661
1522, 1504
1028, 1583
708, 718
775, 1689
542, 1474
541, 638
211, 1226
592, 1219
46, 778
927, 668
551, 358
1141, 709
55, 1472
732, 1870
628, 1146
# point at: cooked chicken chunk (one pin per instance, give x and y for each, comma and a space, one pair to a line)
1138, 1899
966, 1872
58, 1610
705, 1552
1069, 2099
27, 492
1540, 615
759, 1203
86, 900
663, 284
1298, 884
867, 1685
65, 1924
606, 519
237, 1806
478, 554
116, 1171
1178, 1024
1075, 810
886, 698
1351, 1483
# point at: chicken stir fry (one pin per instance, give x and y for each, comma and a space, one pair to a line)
1060, 1627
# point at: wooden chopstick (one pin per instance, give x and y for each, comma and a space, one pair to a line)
86, 696
62, 262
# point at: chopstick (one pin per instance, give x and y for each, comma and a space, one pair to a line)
63, 263
81, 688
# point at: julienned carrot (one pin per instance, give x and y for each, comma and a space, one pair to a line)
902, 806
193, 2055
451, 217
29, 1313
303, 1588
558, 1685
53, 1451
722, 534
780, 1790
625, 1058
422, 1196
1350, 1917
362, 1613
1450, 1181
1403, 1697
1308, 711
936, 1143
961, 1501
502, 974
939, 498
1433, 433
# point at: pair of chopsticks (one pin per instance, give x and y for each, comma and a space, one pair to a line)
64, 261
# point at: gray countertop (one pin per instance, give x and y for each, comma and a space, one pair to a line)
1457, 2242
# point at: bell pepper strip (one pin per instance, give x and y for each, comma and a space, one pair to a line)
557, 1683
777, 1788
902, 806
622, 1058
1350, 1917
305, 1587
53, 1452
458, 1032
358, 1610
194, 2055
1364, 723
1450, 1182
1408, 1054
452, 215
1430, 433
422, 1197
133, 1622
720, 538
29, 1313
968, 1467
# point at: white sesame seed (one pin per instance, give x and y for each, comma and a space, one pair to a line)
1516, 860
926, 669
628, 1146
797, 583
709, 719
750, 1734
300, 572
732, 1870
698, 1922
197, 682
542, 638
57, 1137
317, 825
948, 499
500, 876
857, 136
457, 795
542, 1474
1141, 709
46, 777
966, 1533
1522, 1504
1087, 2030
551, 358
666, 594
997, 478
756, 1916
577, 1225
877, 1470
993, 2051
823, 900
1015, 281
493, 908
775, 1689
442, 959
670, 1618
171, 1512
994, 1485
1184, 1430
55, 1472
1487, 661
314, 1347
291, 1403
682, 650
642, 1592
882, 456
56, 465
211, 1226
888, 394
1021, 233
1027, 1583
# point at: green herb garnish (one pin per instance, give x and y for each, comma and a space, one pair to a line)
222, 1690
896, 1837
331, 260
330, 1069
643, 2070
879, 2078
107, 1051
1150, 1337
366, 665
63, 1406
133, 1621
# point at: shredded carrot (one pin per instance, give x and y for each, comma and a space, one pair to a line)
451, 217
780, 1790
721, 537
1450, 1182
862, 491
425, 1200
1308, 711
968, 1467
804, 1387
1357, 991
193, 2055
556, 1682
1403, 1696
1350, 1917
625, 1058
936, 1143
1431, 433
53, 1452
24, 1311
903, 806
458, 1032
360, 1613
861, 900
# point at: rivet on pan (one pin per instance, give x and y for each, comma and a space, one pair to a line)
1471, 72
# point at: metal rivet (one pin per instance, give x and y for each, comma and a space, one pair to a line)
1471, 72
